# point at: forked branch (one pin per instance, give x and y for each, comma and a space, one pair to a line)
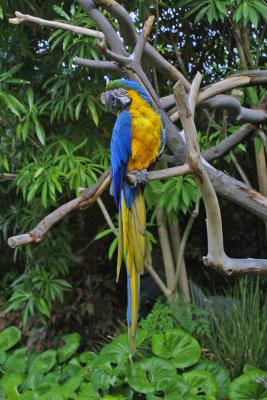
216, 257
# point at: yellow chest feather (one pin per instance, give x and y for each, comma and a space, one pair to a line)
146, 126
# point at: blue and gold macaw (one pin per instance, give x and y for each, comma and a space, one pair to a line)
138, 138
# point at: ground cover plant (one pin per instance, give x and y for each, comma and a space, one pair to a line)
168, 366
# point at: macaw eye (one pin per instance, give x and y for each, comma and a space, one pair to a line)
121, 92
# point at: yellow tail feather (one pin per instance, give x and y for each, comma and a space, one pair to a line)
133, 307
133, 243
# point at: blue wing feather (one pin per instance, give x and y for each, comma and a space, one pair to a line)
120, 150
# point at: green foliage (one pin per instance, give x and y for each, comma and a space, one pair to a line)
9, 337
50, 147
175, 344
191, 318
45, 289
245, 387
63, 374
238, 330
240, 10
175, 195
158, 320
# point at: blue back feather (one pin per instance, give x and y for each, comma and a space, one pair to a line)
121, 149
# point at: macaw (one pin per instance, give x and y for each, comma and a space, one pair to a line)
138, 138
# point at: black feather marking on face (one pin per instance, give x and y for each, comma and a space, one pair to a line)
115, 100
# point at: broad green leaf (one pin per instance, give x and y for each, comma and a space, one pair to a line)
253, 16
250, 368
104, 233
72, 343
38, 172
178, 346
220, 374
9, 337
112, 247
78, 108
201, 383
44, 362
5, 163
25, 128
87, 357
103, 375
61, 12
149, 374
221, 6
16, 362
245, 387
44, 194
245, 10
261, 7
32, 190
42, 306
92, 108
39, 129
87, 391
10, 383
3, 357
238, 14
118, 350
29, 94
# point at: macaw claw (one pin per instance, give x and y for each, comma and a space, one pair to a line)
138, 177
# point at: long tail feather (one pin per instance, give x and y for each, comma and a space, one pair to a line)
120, 247
133, 307
132, 236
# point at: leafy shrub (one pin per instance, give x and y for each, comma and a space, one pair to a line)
167, 365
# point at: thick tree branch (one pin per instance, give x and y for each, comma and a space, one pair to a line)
216, 257
237, 192
263, 138
86, 199
141, 41
104, 25
56, 25
228, 143
165, 248
183, 243
244, 79
233, 105
211, 97
103, 65
128, 32
126, 25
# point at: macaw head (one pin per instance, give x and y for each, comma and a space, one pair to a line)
115, 99
116, 96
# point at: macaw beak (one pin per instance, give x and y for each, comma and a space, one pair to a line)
102, 98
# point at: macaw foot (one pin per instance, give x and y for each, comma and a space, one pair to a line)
138, 177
